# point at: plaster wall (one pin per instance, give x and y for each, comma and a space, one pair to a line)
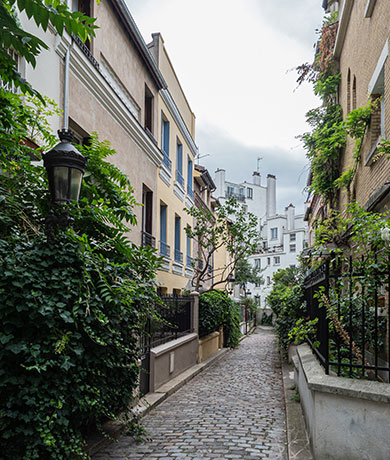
346, 418
183, 352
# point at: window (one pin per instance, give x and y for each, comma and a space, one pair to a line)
354, 93
293, 236
292, 248
189, 252
249, 192
274, 233
268, 260
147, 211
148, 109
164, 248
241, 191
190, 178
258, 263
179, 163
376, 89
178, 254
276, 260
268, 280
164, 134
82, 5
292, 266
229, 191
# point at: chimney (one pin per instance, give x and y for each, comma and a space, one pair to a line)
256, 178
290, 214
219, 180
271, 195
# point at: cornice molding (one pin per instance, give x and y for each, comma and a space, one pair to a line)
94, 81
174, 111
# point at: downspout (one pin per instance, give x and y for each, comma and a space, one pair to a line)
66, 86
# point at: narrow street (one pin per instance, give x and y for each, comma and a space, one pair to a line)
233, 410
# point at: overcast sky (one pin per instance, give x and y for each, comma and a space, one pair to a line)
234, 59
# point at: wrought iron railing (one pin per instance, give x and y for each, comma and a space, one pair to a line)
86, 51
165, 249
178, 256
148, 239
351, 335
174, 319
179, 178
189, 261
167, 162
190, 192
237, 196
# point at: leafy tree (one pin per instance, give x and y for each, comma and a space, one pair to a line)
28, 45
230, 227
71, 306
246, 273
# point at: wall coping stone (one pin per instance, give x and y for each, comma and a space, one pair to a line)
317, 380
169, 346
208, 337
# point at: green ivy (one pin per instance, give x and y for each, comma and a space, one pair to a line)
72, 305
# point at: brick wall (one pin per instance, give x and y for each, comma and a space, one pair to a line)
363, 45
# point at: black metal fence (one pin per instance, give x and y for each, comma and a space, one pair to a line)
351, 300
174, 319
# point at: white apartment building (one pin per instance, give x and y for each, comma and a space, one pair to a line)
284, 237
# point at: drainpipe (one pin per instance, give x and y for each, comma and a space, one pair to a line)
66, 86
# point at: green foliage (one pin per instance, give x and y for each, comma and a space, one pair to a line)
72, 305
287, 302
246, 273
230, 228
29, 46
217, 309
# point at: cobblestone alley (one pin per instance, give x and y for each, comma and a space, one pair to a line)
233, 410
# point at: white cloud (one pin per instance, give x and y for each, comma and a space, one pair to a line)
232, 58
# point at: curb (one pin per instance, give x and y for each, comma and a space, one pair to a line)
114, 428
298, 445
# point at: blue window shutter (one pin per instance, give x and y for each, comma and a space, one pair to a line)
163, 223
162, 131
188, 246
189, 173
179, 165
166, 137
177, 233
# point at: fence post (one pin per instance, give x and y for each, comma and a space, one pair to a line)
195, 311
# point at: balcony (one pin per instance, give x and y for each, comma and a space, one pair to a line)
189, 261
236, 196
167, 162
190, 192
148, 240
165, 249
178, 256
179, 178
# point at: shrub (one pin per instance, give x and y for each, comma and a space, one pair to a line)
217, 309
71, 305
287, 302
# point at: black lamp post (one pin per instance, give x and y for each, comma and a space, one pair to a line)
231, 280
65, 167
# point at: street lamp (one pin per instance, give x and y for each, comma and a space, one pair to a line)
65, 167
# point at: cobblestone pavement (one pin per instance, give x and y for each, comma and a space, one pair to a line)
233, 410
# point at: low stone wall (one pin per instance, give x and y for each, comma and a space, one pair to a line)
171, 359
209, 345
347, 419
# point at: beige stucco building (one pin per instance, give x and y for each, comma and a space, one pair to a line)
176, 134
113, 90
